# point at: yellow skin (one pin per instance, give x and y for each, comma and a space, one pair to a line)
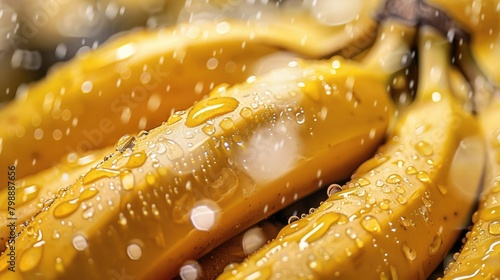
36, 190
479, 257
215, 159
134, 82
394, 219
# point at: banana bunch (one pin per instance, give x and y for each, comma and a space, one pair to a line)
168, 147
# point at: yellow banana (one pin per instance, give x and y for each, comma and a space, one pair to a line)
479, 256
176, 193
34, 191
403, 209
125, 86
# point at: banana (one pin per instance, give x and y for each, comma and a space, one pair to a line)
35, 191
128, 85
482, 20
403, 209
479, 257
235, 157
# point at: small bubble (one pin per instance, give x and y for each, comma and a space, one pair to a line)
300, 118
333, 188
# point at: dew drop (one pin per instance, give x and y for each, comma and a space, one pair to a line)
128, 180
394, 179
226, 123
495, 186
320, 227
363, 182
30, 258
125, 142
174, 151
411, 170
88, 193
300, 118
98, 173
66, 208
210, 108
208, 129
137, 159
79, 242
370, 224
435, 244
401, 199
494, 227
246, 112
408, 251
423, 176
134, 251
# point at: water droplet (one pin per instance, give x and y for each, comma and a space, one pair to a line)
435, 244
205, 214
384, 204
66, 208
423, 176
495, 185
128, 180
371, 164
424, 148
363, 182
370, 224
494, 227
342, 194
300, 117
173, 119
88, 193
79, 242
246, 112
394, 179
401, 199
134, 251
59, 266
442, 189
174, 151
98, 173
320, 227
125, 142
190, 271
56, 234
210, 108
411, 170
208, 129
30, 258
226, 123
333, 188
408, 251
137, 159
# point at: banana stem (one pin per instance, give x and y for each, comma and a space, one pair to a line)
434, 66
391, 52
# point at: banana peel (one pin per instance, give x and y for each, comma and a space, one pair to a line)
393, 219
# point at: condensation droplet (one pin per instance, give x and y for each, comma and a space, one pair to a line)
210, 108
494, 227
79, 242
30, 258
435, 244
134, 251
408, 251
333, 188
423, 176
411, 170
370, 224
394, 179
190, 271
128, 180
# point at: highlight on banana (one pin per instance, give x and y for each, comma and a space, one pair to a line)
250, 139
